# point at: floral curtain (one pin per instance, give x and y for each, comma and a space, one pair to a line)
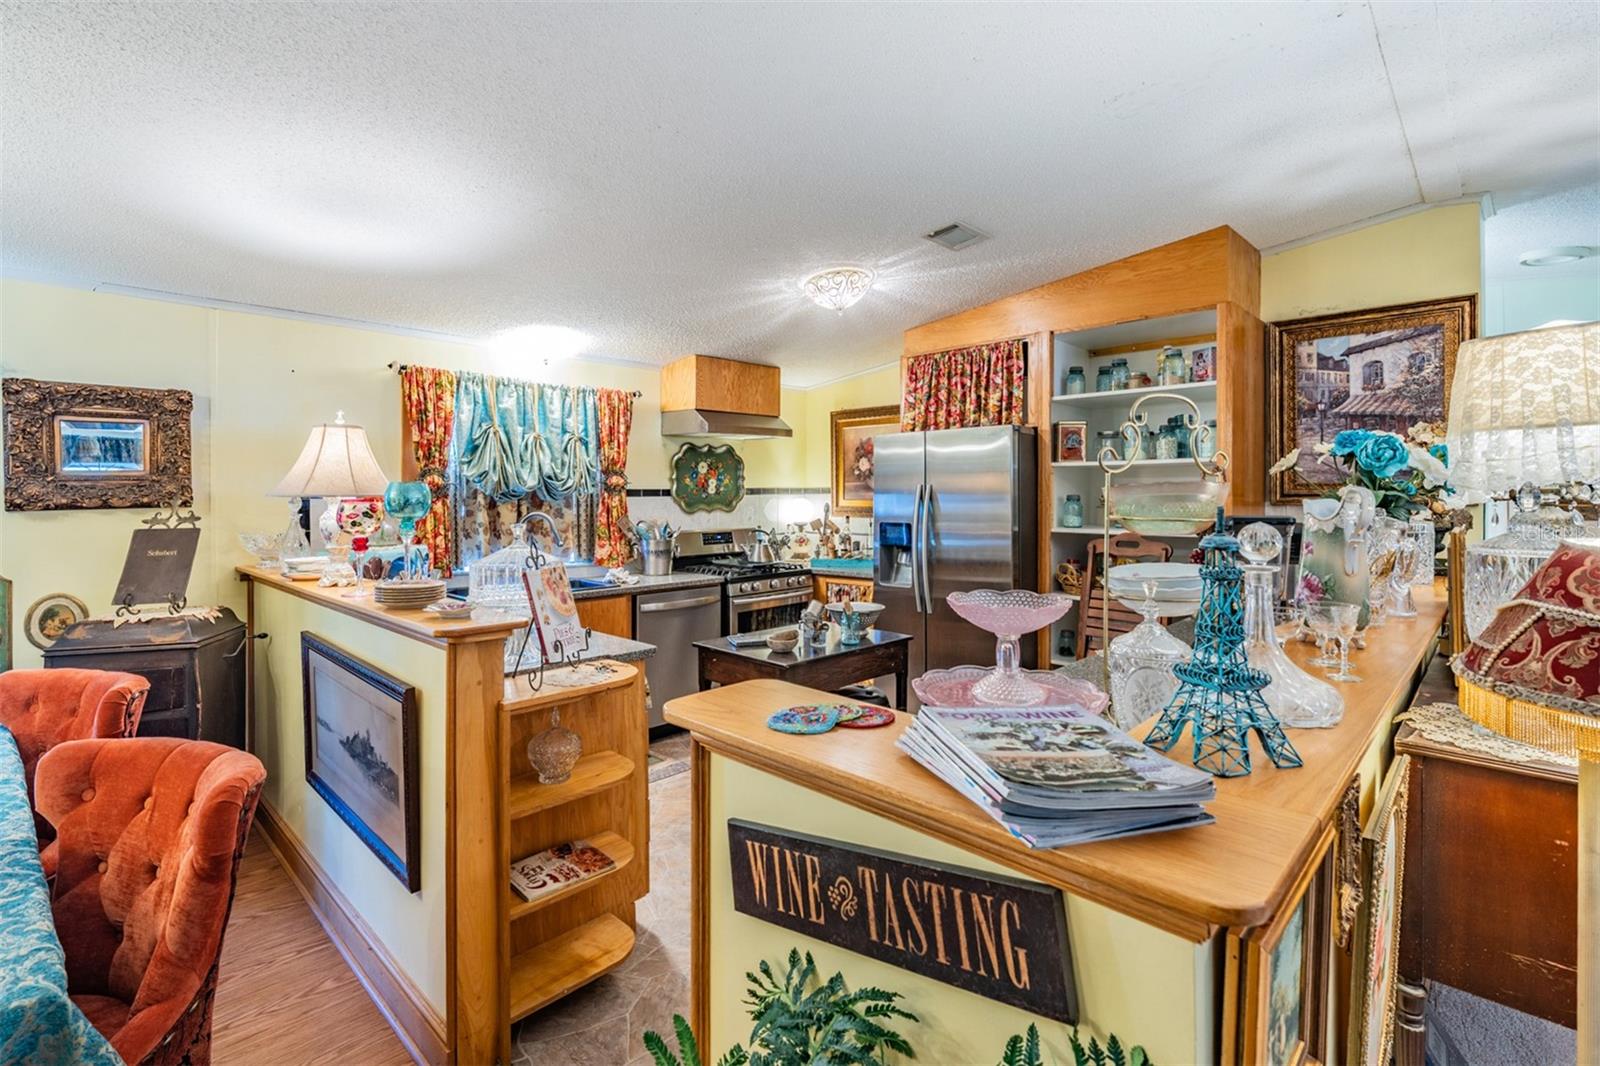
613, 545
428, 395
985, 385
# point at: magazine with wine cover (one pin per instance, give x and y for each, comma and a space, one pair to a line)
1060, 758
555, 868
1046, 828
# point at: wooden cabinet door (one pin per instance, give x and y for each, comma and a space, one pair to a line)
608, 614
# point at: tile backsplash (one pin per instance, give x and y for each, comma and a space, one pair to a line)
755, 510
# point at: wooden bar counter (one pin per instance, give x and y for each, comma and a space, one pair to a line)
454, 963
1160, 926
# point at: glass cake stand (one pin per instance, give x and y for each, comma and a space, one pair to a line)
1008, 614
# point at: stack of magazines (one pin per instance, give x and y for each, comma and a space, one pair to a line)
1055, 776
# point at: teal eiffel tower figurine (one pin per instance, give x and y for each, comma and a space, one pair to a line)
1217, 690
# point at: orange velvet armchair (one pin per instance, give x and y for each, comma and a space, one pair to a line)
44, 707
150, 832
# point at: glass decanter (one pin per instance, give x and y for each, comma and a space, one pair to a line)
1401, 605
1141, 662
1297, 698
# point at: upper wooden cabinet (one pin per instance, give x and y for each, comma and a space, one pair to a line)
707, 383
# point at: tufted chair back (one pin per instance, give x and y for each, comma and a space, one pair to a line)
44, 707
149, 832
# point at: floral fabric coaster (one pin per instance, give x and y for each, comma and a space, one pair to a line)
804, 719
869, 718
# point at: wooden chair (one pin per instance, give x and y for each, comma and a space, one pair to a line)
1129, 546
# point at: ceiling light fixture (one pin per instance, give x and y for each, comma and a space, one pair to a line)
838, 288
516, 348
1543, 257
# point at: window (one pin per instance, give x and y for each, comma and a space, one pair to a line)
1372, 376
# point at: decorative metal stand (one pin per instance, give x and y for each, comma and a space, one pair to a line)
173, 517
1217, 689
559, 653
1111, 464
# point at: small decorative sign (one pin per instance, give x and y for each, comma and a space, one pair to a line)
999, 937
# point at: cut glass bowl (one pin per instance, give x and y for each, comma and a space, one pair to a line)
1166, 508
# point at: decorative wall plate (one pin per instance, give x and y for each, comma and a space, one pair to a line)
707, 477
49, 617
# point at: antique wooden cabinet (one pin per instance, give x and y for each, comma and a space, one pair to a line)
196, 670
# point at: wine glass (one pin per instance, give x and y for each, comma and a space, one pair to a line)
1320, 619
1344, 623
408, 501
359, 517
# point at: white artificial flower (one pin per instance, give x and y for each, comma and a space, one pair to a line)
1434, 473
1286, 462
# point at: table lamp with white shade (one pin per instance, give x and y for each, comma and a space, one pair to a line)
1524, 424
336, 461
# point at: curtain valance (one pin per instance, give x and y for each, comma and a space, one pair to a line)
985, 385
517, 438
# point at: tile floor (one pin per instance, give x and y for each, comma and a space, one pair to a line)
603, 1023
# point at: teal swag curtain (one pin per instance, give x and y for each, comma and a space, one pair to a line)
520, 438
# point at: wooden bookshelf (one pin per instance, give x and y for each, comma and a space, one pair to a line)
564, 940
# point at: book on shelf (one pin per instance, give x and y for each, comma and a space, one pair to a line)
556, 868
1054, 776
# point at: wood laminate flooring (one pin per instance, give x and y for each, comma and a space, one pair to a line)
284, 994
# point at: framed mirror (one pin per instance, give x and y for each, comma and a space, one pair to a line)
73, 446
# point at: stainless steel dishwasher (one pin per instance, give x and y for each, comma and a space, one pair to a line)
672, 620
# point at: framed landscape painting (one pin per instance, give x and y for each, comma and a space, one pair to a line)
1374, 998
853, 433
361, 752
1386, 368
1285, 967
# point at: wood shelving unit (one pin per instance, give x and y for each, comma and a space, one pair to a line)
564, 940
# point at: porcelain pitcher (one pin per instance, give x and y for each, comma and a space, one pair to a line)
1333, 561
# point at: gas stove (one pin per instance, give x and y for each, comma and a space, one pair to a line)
756, 595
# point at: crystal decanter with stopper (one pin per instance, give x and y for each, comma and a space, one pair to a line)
1297, 698
1142, 661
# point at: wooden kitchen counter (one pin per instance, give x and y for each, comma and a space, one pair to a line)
1190, 882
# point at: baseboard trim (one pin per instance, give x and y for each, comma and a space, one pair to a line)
414, 1021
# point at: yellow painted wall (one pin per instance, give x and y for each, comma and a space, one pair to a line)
411, 927
260, 382
1147, 986
875, 388
1421, 256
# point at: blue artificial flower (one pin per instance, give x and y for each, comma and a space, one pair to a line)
1383, 454
1411, 490
1349, 441
1440, 452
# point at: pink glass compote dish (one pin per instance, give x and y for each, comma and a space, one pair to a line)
1008, 615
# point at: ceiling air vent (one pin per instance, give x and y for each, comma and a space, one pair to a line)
955, 236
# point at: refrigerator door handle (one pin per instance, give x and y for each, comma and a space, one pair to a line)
925, 548
916, 551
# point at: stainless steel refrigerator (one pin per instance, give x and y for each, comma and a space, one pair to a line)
955, 511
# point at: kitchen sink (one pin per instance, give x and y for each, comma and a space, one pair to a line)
592, 583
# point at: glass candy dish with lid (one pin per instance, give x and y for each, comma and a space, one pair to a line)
496, 579
1297, 698
1142, 680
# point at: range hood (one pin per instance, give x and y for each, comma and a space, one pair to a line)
729, 424
704, 396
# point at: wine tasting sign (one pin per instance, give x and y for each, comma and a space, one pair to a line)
994, 936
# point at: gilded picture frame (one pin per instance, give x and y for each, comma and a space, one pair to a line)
1285, 970
1374, 974
1383, 368
361, 753
74, 446
852, 433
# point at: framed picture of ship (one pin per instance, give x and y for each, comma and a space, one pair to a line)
361, 752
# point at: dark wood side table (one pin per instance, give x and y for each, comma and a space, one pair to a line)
828, 668
196, 670
1491, 885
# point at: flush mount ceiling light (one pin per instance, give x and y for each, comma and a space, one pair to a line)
1543, 257
535, 344
838, 288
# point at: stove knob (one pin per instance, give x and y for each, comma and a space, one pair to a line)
775, 584
746, 586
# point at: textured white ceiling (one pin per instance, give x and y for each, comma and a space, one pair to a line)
1567, 217
662, 176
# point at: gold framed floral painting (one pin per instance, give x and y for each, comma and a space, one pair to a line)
1374, 974
853, 434
1385, 368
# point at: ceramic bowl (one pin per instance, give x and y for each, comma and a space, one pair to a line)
784, 640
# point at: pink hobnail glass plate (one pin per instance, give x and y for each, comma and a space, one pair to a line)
956, 688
